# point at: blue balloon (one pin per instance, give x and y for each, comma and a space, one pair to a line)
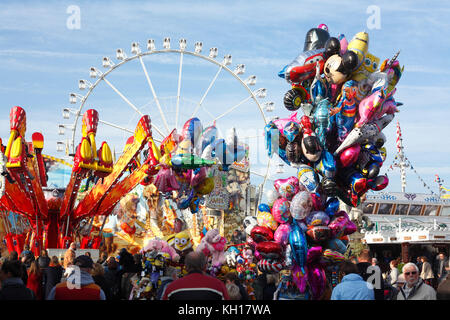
185, 200
326, 165
299, 246
337, 245
291, 130
192, 130
263, 207
208, 137
332, 206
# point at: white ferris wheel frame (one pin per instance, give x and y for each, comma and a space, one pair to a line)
151, 50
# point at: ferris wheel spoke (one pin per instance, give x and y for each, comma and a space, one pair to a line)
208, 113
115, 126
206, 92
179, 89
232, 108
122, 96
154, 94
131, 105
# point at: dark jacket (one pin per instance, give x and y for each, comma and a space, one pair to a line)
268, 291
14, 289
52, 276
365, 272
440, 269
443, 290
242, 291
113, 280
43, 262
104, 285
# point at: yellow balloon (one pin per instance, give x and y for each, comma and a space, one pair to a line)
265, 219
206, 186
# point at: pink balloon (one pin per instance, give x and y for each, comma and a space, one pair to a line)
317, 202
280, 210
288, 187
281, 123
199, 177
341, 225
389, 106
349, 156
370, 106
165, 180
315, 273
281, 235
344, 45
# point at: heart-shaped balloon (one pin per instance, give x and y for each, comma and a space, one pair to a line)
269, 249
288, 187
260, 233
280, 210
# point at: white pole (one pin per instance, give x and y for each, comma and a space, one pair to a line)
154, 94
179, 88
207, 91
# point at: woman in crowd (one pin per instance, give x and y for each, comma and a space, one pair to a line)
427, 272
34, 281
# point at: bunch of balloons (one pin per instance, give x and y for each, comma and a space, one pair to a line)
302, 231
182, 160
337, 148
347, 100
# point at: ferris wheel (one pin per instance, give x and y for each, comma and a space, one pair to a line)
171, 85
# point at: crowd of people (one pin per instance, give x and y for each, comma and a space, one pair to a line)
77, 277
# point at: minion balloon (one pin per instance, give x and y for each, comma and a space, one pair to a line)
359, 45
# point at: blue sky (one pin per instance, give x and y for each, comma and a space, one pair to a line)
41, 61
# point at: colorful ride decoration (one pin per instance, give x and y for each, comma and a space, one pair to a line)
177, 169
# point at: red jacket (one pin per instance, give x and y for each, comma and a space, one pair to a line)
196, 286
34, 283
88, 292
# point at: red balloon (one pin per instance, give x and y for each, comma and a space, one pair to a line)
260, 233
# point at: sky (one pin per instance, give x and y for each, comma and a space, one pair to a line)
46, 47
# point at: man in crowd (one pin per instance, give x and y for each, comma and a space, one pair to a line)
13, 287
352, 285
79, 284
441, 267
371, 274
415, 288
196, 285
70, 255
